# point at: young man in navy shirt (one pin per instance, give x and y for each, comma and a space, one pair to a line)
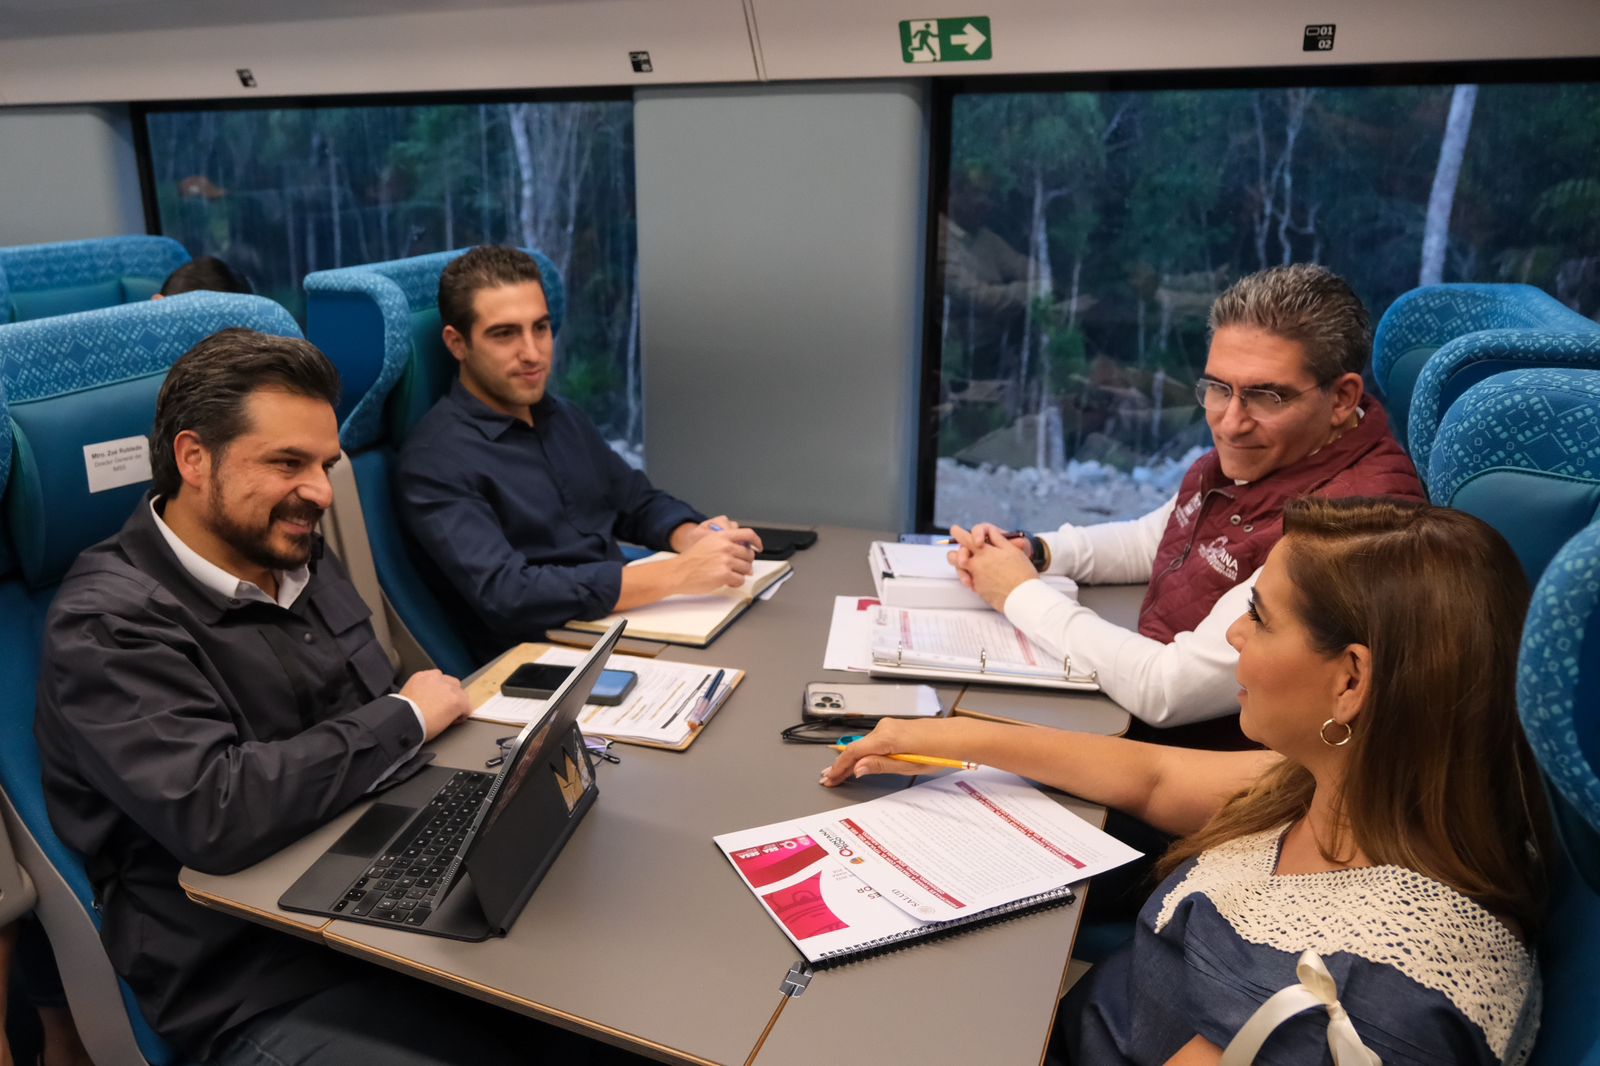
516, 497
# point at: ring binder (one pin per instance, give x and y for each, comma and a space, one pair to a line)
940, 645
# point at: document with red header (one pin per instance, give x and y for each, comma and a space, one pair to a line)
950, 851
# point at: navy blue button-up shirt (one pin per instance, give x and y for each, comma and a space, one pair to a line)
522, 520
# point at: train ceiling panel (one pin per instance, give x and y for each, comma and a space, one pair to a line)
76, 51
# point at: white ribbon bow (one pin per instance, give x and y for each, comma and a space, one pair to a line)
1316, 989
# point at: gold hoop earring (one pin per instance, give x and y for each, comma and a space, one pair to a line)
1349, 731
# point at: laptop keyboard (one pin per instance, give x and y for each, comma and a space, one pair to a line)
405, 882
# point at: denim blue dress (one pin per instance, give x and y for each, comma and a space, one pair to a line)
1426, 975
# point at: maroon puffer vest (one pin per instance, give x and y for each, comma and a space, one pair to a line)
1219, 533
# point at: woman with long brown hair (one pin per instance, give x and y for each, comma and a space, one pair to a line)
1394, 825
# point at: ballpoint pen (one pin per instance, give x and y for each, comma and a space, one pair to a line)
680, 707
1014, 534
702, 710
920, 760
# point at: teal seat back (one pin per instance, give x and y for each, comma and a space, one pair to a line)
45, 280
1521, 450
71, 386
380, 325
1558, 698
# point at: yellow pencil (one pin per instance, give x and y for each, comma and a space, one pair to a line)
927, 760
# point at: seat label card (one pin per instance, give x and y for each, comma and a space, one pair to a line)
115, 463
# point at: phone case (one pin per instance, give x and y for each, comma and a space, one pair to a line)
832, 699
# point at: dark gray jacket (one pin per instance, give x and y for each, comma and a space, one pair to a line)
179, 727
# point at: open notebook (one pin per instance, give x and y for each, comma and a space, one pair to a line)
950, 852
692, 620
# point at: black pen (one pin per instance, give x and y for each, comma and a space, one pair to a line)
1015, 534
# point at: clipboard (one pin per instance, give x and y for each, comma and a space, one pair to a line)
487, 685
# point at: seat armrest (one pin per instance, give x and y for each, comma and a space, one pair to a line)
17, 894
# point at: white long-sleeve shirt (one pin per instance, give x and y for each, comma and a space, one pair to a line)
1189, 680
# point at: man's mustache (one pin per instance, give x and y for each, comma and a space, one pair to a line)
298, 511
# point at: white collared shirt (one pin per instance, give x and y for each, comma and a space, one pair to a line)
291, 583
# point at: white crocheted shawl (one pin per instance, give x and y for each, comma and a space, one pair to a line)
1385, 914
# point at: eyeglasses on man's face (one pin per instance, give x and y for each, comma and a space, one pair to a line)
1215, 396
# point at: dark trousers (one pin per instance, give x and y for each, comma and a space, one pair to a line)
398, 1021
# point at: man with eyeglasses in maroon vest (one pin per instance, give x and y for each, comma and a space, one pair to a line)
1283, 394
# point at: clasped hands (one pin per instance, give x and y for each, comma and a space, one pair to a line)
989, 564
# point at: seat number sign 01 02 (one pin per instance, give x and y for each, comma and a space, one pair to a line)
945, 40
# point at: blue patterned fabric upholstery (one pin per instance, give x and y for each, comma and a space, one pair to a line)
68, 382
42, 280
89, 378
1521, 450
6, 558
362, 317
1423, 320
1558, 691
380, 325
1558, 697
1465, 361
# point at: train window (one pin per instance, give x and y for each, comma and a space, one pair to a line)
1082, 231
279, 192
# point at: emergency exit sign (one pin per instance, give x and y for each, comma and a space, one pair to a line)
945, 40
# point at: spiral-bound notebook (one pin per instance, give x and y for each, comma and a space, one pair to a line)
953, 851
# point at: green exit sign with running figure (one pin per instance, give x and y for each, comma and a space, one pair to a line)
945, 40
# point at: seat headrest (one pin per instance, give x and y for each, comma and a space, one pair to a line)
80, 395
1422, 320
367, 319
41, 280
1465, 361
1521, 450
1558, 692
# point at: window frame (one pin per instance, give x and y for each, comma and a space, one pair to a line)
941, 113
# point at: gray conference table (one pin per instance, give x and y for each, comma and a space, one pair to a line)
641, 934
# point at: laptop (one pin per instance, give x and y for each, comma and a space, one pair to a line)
457, 853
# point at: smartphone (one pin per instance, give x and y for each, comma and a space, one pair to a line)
613, 687
535, 681
866, 699
539, 681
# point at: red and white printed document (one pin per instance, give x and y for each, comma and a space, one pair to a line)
952, 850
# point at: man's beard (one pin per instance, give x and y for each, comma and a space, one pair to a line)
255, 543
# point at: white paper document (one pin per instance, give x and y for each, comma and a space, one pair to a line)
952, 850
656, 710
969, 842
850, 634
916, 560
921, 575
957, 640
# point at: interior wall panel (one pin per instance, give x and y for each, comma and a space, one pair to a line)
780, 278
67, 173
